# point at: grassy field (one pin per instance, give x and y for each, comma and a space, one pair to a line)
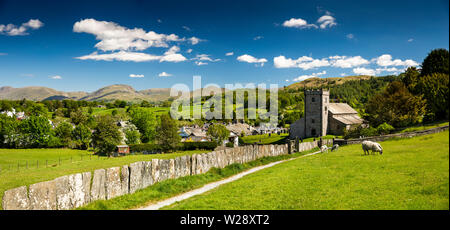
424, 126
411, 174
169, 188
265, 138
71, 162
277, 139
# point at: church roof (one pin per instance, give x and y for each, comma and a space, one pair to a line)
341, 108
349, 119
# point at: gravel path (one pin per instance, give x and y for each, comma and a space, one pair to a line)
213, 185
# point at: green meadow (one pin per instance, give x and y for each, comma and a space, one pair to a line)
412, 174
37, 165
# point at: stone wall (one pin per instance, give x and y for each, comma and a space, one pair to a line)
72, 191
390, 136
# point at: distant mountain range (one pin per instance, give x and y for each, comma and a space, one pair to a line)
128, 93
108, 93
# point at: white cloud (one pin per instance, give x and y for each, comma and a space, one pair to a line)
205, 57
137, 75
390, 70
189, 51
343, 74
194, 40
115, 37
3, 54
410, 40
120, 56
159, 21
229, 54
350, 36
169, 56
186, 28
121, 43
386, 60
13, 30
251, 59
348, 62
298, 23
56, 77
258, 37
304, 77
364, 71
303, 62
164, 74
326, 21
201, 63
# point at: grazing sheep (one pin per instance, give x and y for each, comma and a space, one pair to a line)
324, 148
335, 147
370, 145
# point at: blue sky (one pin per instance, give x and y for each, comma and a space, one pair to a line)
85, 45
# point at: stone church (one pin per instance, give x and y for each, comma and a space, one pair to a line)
322, 117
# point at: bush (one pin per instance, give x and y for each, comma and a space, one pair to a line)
207, 145
385, 128
146, 147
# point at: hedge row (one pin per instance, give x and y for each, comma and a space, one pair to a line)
155, 148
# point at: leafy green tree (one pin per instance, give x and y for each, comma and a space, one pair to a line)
78, 117
64, 132
38, 109
37, 130
218, 133
145, 121
410, 78
106, 135
82, 136
132, 136
9, 130
167, 133
437, 61
434, 89
396, 106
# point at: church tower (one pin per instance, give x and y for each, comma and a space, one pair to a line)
316, 112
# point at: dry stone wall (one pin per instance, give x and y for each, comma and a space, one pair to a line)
73, 191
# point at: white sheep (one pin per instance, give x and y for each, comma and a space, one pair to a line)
370, 145
335, 147
324, 148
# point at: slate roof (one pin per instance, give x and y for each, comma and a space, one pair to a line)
341, 108
349, 119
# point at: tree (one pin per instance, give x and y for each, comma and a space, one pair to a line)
396, 106
38, 110
78, 117
8, 131
64, 132
132, 136
146, 123
167, 133
37, 130
218, 133
410, 78
434, 89
82, 136
437, 61
106, 135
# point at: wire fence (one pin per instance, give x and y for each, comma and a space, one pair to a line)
22, 165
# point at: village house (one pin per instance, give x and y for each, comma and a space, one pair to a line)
322, 117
